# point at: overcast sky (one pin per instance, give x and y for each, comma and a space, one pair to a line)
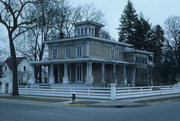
156, 10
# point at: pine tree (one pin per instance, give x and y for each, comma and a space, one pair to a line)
155, 43
127, 24
142, 33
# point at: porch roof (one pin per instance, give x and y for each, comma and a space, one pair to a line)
77, 60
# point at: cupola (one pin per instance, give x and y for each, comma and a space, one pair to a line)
87, 28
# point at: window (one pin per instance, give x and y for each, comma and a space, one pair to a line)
82, 31
112, 54
138, 60
144, 60
78, 31
120, 55
67, 52
85, 31
24, 68
90, 31
79, 51
55, 53
5, 68
150, 58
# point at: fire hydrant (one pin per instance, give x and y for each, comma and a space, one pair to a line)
73, 97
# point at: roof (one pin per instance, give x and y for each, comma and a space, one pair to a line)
88, 37
88, 22
139, 51
76, 60
8, 61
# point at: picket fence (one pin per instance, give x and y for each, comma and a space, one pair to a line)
112, 93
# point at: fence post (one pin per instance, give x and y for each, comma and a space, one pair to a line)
113, 91
38, 90
141, 91
26, 89
160, 90
88, 91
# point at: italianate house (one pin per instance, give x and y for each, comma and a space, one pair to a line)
88, 59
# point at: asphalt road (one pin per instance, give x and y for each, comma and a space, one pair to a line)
22, 111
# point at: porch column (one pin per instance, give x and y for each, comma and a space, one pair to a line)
33, 78
89, 77
51, 74
65, 78
114, 74
134, 76
124, 76
102, 77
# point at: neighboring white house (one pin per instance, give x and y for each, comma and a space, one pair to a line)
25, 70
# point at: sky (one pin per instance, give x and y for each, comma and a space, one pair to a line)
156, 10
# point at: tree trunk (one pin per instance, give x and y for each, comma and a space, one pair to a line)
15, 91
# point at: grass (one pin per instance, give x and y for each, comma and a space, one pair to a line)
155, 88
33, 99
85, 102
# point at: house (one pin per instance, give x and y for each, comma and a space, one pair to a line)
88, 59
24, 70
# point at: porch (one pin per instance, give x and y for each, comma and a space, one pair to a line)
88, 73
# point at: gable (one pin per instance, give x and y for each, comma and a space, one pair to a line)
9, 63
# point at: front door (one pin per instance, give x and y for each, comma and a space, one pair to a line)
79, 73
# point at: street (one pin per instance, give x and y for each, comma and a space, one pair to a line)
17, 111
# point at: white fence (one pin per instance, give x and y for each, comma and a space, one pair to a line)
81, 92
112, 93
99, 93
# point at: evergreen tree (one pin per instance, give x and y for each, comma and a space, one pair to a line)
142, 33
155, 45
127, 24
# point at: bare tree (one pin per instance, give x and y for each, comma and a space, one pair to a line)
12, 16
105, 35
172, 25
67, 15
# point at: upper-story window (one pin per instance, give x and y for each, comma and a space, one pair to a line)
150, 58
55, 53
82, 32
144, 60
79, 51
112, 52
120, 55
138, 60
78, 31
24, 68
5, 68
90, 31
67, 52
85, 31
